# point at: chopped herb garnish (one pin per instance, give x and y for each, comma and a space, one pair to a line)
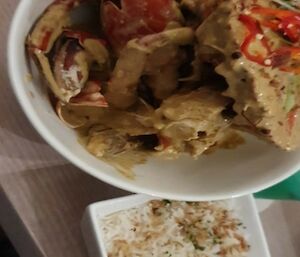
217, 240
168, 253
199, 247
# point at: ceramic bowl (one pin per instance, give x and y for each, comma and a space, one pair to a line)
224, 174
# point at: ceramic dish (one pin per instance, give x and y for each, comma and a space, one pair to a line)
244, 206
227, 173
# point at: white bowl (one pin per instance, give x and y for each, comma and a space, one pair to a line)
227, 173
244, 207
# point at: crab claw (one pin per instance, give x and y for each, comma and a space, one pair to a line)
74, 57
51, 24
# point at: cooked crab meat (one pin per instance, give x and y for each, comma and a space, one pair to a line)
161, 71
115, 148
204, 142
71, 70
134, 62
129, 122
260, 62
191, 116
79, 116
137, 122
105, 141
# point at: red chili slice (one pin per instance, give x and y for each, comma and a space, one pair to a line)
254, 29
284, 21
289, 26
280, 13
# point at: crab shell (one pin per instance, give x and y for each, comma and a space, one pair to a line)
74, 52
51, 24
70, 72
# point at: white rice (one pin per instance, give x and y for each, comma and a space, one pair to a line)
175, 229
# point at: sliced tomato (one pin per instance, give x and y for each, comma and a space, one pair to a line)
135, 18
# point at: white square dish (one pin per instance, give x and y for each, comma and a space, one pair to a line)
244, 206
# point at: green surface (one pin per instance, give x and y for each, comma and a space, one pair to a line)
286, 190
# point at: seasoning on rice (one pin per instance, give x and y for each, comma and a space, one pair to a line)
175, 229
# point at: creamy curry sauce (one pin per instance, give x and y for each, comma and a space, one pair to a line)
183, 80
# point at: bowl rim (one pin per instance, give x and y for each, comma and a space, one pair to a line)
17, 83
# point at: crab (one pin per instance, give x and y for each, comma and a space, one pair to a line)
67, 57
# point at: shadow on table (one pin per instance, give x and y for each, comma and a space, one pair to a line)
18, 138
6, 248
291, 212
51, 202
281, 223
11, 115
